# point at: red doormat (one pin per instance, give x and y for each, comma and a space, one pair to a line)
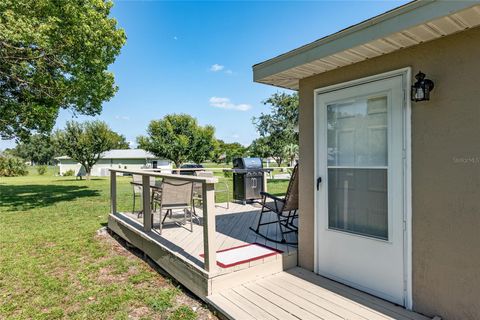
242, 254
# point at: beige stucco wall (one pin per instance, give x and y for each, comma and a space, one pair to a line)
445, 171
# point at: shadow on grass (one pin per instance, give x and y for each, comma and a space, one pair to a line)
25, 197
84, 179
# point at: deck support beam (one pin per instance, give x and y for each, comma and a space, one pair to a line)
147, 209
209, 228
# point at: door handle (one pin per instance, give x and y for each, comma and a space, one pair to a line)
319, 180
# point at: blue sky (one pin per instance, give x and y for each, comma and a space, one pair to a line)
196, 58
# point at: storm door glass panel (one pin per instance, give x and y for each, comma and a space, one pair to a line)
358, 166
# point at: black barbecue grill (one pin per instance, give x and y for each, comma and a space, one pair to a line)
248, 179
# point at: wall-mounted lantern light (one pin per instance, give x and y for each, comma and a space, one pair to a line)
421, 89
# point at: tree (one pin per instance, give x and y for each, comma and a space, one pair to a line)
85, 142
54, 55
38, 149
260, 148
178, 138
291, 152
278, 126
119, 141
226, 152
203, 144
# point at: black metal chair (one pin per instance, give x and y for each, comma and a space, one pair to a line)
286, 210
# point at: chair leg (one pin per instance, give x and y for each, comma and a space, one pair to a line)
166, 214
133, 209
281, 229
160, 227
191, 220
261, 216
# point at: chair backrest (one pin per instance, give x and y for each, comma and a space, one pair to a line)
136, 178
291, 197
176, 192
197, 187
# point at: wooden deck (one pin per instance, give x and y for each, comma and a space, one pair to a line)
271, 288
232, 226
300, 294
177, 249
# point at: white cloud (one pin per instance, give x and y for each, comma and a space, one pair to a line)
235, 136
175, 38
216, 67
225, 103
122, 118
228, 71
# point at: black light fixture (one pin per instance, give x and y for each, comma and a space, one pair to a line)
421, 89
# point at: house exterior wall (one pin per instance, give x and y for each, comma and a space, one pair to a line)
100, 168
445, 171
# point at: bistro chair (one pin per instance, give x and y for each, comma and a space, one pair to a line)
175, 195
137, 186
197, 188
285, 209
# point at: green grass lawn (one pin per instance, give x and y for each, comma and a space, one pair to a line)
54, 264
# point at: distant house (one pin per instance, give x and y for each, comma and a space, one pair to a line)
118, 158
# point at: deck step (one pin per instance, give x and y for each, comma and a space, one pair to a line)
301, 294
251, 272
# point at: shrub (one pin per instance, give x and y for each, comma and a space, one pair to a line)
228, 174
42, 169
12, 167
69, 173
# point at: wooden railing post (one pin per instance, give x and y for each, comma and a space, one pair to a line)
209, 232
113, 192
147, 209
265, 181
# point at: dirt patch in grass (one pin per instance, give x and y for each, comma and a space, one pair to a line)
167, 298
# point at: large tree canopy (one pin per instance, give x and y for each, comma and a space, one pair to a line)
179, 138
277, 128
85, 142
54, 55
38, 149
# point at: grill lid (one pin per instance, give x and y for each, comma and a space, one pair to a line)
247, 163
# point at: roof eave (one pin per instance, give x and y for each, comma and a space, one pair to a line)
406, 16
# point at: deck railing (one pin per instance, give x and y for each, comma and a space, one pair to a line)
208, 200
217, 169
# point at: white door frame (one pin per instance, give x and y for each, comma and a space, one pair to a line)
406, 74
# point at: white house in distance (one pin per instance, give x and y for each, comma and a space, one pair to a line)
131, 159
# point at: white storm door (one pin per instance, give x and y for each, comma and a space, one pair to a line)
360, 200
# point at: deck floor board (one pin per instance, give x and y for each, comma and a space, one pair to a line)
301, 294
